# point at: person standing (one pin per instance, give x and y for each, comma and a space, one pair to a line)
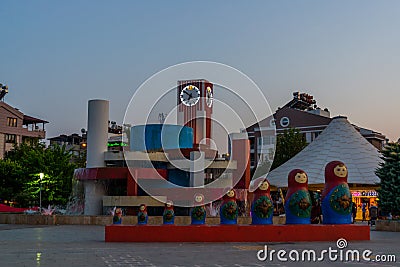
373, 214
354, 211
316, 212
364, 210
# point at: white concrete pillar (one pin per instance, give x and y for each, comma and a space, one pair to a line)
97, 138
94, 192
197, 164
200, 126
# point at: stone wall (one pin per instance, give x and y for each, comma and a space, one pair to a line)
388, 225
105, 220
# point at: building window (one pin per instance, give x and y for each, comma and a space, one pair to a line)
269, 140
11, 138
12, 122
260, 141
266, 140
309, 137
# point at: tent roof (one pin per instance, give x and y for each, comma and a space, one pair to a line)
339, 141
8, 209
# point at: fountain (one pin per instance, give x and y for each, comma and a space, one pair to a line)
75, 205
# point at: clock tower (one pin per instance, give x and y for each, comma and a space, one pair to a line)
195, 106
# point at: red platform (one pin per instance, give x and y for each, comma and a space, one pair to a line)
235, 233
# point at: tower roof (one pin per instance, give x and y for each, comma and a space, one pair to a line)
339, 141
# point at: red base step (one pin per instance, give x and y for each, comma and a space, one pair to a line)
235, 233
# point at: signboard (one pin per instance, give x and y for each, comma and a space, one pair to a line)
370, 193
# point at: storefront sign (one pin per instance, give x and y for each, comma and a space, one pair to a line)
371, 193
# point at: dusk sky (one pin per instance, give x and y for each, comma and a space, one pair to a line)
57, 55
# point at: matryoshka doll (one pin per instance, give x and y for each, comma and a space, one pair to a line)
198, 212
117, 218
262, 208
336, 197
169, 214
142, 215
229, 208
298, 200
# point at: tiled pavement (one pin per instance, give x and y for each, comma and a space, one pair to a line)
76, 245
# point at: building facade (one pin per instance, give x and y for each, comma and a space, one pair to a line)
74, 143
16, 128
77, 143
303, 114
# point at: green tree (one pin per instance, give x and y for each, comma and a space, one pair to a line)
288, 144
10, 179
54, 162
80, 160
389, 173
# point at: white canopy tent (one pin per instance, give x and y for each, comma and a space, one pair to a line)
339, 141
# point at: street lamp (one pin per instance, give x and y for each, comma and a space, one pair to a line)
41, 175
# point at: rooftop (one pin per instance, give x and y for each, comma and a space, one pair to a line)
339, 141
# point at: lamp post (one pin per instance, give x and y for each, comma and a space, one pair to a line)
41, 175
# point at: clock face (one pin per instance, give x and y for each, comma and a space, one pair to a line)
209, 97
190, 95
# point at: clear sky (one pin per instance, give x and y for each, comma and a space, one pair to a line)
56, 55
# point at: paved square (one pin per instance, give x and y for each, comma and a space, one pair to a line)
82, 245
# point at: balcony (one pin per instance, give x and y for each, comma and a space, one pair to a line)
36, 133
31, 128
134, 155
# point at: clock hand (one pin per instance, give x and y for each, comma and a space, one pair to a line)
189, 94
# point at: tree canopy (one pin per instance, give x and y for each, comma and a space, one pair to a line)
389, 173
288, 144
20, 179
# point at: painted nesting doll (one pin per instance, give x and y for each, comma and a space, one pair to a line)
229, 209
142, 215
262, 208
169, 214
198, 212
298, 199
336, 197
117, 218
